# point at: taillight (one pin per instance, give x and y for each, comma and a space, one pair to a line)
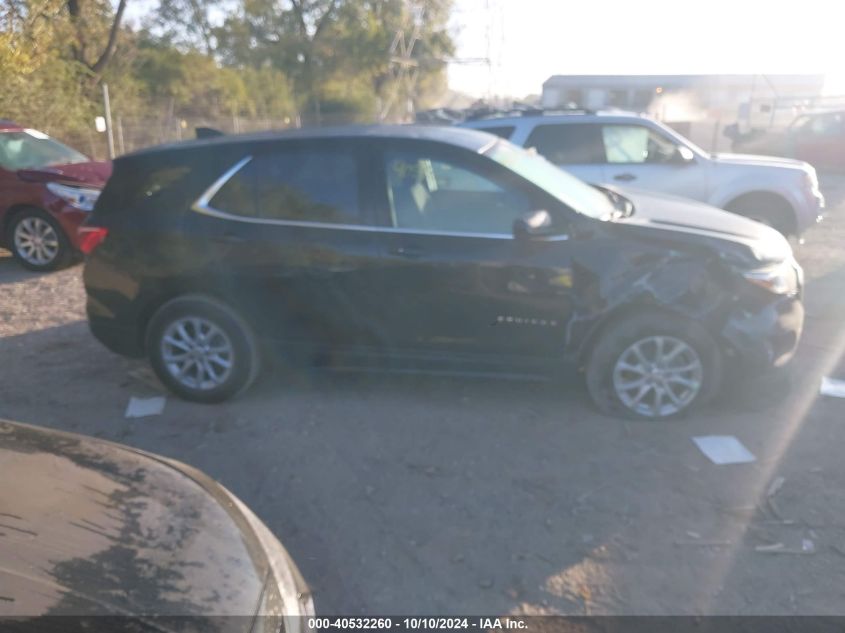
90, 237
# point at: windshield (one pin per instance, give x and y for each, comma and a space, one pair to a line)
681, 140
31, 149
574, 193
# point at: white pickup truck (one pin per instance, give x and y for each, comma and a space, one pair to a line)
633, 150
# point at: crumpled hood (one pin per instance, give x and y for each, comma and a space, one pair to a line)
692, 220
94, 173
92, 528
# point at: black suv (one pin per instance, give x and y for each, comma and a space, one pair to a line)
423, 248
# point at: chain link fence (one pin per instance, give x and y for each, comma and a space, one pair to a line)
133, 133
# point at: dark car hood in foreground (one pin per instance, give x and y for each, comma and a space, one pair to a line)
92, 528
92, 173
693, 220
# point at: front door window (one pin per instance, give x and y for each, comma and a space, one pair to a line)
433, 194
636, 144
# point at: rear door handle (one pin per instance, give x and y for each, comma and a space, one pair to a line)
625, 177
408, 252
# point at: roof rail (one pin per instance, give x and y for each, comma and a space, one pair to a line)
523, 110
451, 116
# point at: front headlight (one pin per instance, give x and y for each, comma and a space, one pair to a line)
290, 597
780, 279
82, 198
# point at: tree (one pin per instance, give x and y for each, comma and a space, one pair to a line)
87, 19
194, 85
274, 60
187, 24
414, 33
41, 88
340, 50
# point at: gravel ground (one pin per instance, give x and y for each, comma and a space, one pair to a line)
412, 495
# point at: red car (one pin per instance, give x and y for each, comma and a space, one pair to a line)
817, 138
46, 190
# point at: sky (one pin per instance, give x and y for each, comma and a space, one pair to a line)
527, 41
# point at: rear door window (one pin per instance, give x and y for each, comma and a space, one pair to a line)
300, 185
568, 143
319, 185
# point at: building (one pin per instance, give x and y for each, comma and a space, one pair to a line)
684, 100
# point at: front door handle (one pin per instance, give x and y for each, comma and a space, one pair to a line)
625, 177
409, 252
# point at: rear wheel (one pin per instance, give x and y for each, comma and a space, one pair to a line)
38, 242
653, 366
201, 349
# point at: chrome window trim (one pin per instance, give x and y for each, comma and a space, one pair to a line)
488, 146
203, 206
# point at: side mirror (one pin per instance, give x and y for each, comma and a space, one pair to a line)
532, 224
683, 156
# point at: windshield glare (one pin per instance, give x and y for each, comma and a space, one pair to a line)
25, 150
574, 193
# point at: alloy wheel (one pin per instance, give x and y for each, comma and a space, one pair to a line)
36, 241
197, 353
658, 376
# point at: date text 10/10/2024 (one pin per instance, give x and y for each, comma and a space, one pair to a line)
418, 623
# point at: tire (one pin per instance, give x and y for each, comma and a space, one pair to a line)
607, 367
219, 332
51, 251
769, 209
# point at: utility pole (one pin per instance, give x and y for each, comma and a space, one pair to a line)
121, 146
109, 131
404, 69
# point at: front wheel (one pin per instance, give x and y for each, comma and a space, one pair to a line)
38, 242
653, 366
201, 349
767, 209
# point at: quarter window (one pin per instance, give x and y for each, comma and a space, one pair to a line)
434, 194
237, 196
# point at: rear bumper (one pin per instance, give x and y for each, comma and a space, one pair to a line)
112, 308
767, 338
121, 340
